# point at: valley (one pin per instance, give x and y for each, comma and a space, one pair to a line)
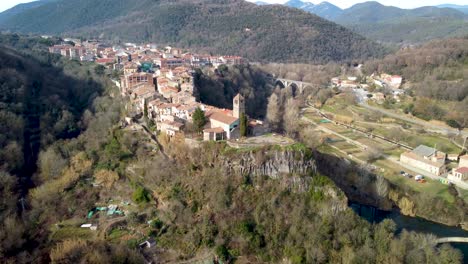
223, 131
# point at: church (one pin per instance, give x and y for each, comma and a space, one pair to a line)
225, 124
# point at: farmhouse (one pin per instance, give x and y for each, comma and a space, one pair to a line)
425, 158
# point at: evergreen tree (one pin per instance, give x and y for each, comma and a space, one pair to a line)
243, 125
199, 119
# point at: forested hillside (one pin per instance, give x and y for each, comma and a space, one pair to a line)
45, 101
260, 33
41, 103
21, 8
437, 71
220, 86
393, 24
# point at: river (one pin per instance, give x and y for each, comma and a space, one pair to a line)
416, 224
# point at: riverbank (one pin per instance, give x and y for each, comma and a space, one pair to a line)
416, 224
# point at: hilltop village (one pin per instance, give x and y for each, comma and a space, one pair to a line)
159, 84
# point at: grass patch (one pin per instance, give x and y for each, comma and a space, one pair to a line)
116, 234
431, 187
64, 233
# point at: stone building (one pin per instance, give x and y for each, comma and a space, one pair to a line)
425, 158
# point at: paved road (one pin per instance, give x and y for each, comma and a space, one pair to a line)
429, 126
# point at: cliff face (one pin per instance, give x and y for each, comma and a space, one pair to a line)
291, 168
272, 163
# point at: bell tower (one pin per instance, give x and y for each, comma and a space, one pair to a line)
239, 106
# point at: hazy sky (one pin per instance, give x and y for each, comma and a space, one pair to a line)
5, 4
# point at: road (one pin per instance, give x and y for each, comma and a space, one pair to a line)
436, 128
395, 160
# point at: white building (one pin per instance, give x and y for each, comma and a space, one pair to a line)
425, 158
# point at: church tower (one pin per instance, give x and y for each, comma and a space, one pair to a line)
239, 106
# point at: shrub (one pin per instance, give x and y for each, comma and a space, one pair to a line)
141, 195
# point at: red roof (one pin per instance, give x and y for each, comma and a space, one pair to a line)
105, 60
216, 130
462, 170
222, 118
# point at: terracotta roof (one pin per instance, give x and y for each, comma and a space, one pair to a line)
156, 102
462, 170
144, 90
173, 124
104, 60
223, 118
213, 130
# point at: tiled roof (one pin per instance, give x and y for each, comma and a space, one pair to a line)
213, 130
462, 170
223, 118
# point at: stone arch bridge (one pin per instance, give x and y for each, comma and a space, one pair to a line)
297, 86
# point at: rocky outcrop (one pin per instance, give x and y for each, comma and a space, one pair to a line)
272, 163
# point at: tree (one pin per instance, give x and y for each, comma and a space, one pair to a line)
145, 113
141, 195
323, 95
381, 186
243, 125
274, 112
100, 70
106, 177
453, 123
373, 154
310, 137
291, 117
199, 119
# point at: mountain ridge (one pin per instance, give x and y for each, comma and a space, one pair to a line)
392, 24
275, 32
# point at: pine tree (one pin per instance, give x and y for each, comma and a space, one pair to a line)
199, 119
243, 125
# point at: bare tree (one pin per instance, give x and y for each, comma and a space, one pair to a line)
381, 186
274, 111
310, 137
291, 117
323, 95
373, 154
